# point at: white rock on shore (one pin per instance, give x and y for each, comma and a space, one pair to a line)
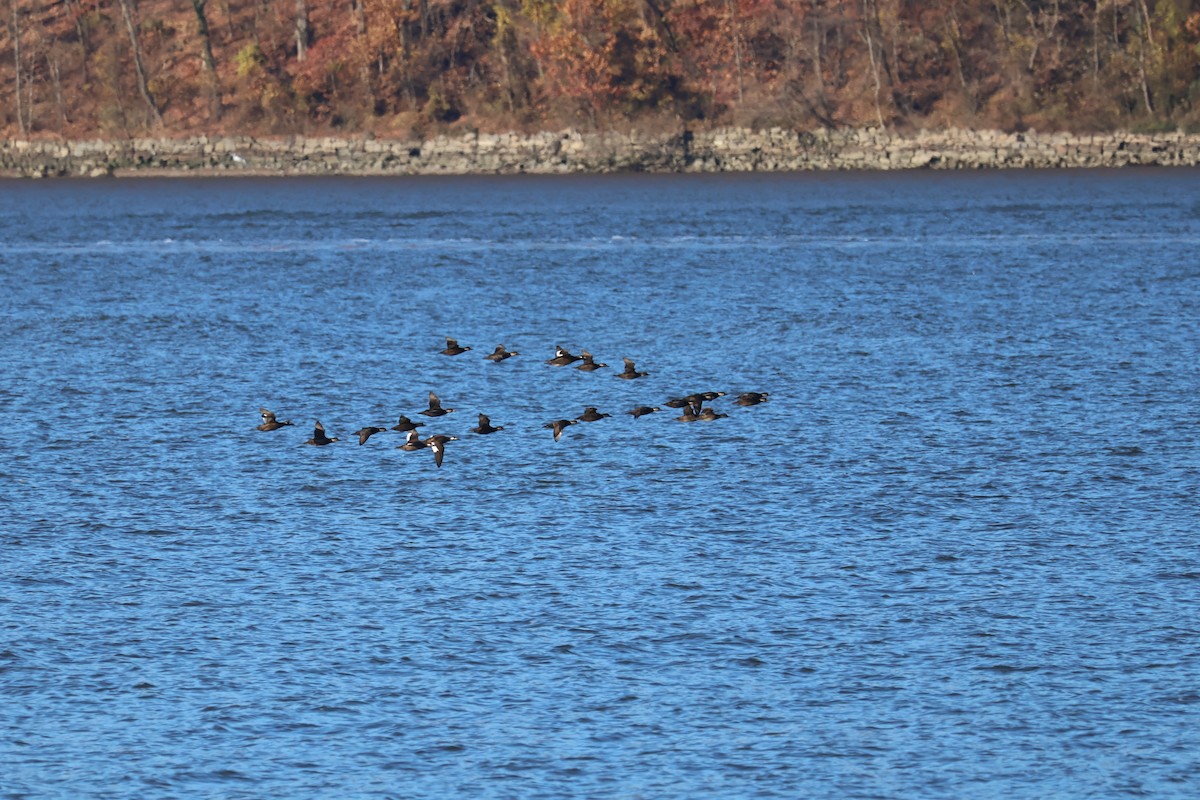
720, 150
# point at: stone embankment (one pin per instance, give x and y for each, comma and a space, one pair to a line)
722, 150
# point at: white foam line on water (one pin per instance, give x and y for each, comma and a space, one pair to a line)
167, 246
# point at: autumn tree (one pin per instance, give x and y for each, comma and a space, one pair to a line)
127, 14
124, 67
15, 34
611, 58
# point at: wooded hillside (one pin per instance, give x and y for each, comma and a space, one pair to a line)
117, 68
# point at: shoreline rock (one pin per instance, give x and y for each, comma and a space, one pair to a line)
572, 152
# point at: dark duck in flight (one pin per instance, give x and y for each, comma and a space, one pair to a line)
590, 414
751, 398
562, 357
558, 425
413, 442
630, 373
499, 354
452, 348
269, 423
435, 407
485, 425
438, 445
405, 424
366, 433
589, 362
319, 438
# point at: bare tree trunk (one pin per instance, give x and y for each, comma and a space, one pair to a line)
1003, 18
885, 62
207, 60
229, 32
737, 46
302, 31
259, 13
817, 101
510, 95
405, 36
1043, 29
1146, 16
124, 113
500, 41
874, 66
1052, 30
52, 66
143, 86
659, 21
81, 31
30, 85
360, 28
14, 30
410, 89
1143, 41
818, 68
955, 36
206, 53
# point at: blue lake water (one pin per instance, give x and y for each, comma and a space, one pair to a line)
957, 554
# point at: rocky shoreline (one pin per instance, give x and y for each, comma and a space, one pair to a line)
722, 150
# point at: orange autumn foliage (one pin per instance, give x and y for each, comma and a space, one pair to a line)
399, 67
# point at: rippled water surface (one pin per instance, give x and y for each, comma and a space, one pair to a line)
955, 555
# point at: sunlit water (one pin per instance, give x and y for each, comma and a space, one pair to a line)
955, 555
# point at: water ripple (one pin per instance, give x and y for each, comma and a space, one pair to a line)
953, 555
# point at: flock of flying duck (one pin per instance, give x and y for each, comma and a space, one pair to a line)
692, 405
